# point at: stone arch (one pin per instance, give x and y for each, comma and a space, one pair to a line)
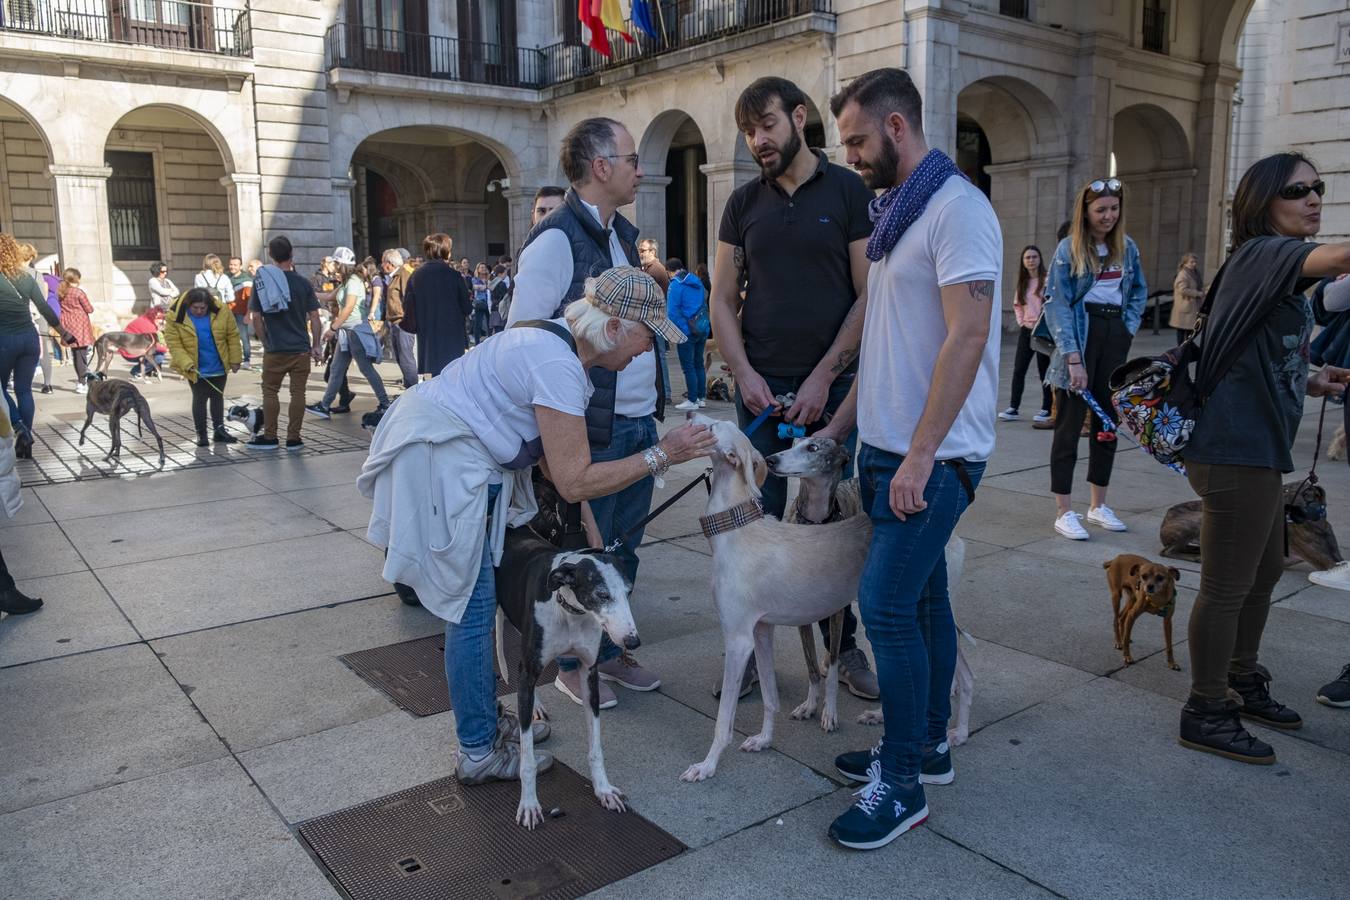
411, 182
672, 203
1153, 159
1222, 28
1011, 140
222, 145
352, 131
27, 207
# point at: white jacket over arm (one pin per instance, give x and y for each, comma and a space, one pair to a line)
428, 475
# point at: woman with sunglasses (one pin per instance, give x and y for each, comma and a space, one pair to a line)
1095, 296
1253, 374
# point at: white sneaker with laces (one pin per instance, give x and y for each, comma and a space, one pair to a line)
1010, 414
702, 403
1337, 577
1042, 416
1070, 527
1104, 517
687, 404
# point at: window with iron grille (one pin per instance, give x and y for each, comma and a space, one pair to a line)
1017, 9
132, 219
1155, 26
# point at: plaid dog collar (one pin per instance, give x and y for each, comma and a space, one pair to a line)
738, 516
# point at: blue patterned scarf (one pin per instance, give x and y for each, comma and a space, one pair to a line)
894, 211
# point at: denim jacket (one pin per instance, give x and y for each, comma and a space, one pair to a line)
1066, 314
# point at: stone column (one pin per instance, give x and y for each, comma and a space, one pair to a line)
691, 224
520, 209
82, 223
342, 212
1093, 130
1214, 119
933, 61
723, 178
245, 200
651, 209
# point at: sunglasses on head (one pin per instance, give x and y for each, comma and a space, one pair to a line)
1298, 190
1105, 186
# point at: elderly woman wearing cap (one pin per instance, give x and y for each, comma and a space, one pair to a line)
449, 470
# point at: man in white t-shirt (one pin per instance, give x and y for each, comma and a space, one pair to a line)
924, 403
582, 238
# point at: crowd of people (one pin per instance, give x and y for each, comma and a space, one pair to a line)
869, 318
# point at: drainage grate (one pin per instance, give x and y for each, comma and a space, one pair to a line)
412, 673
444, 841
57, 457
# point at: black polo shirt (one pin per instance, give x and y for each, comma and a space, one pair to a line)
796, 257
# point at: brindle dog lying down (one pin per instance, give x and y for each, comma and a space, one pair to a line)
1311, 540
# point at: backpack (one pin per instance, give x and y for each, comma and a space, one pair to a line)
700, 324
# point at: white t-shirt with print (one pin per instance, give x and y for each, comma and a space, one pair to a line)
1106, 286
957, 239
495, 389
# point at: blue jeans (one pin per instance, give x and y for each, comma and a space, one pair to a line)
337, 372
774, 491
661, 345
244, 331
480, 323
19, 358
468, 659
617, 513
691, 360
906, 607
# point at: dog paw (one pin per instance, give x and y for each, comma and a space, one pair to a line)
756, 743
956, 737
829, 722
806, 710
529, 814
1173, 666
611, 798
1128, 660
699, 772
871, 717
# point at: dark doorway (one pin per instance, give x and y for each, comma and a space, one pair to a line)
972, 152
686, 205
381, 200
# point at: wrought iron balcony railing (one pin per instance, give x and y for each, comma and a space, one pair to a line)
682, 23
167, 24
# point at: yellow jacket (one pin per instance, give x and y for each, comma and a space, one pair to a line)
181, 338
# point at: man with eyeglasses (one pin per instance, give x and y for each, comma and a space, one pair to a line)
581, 239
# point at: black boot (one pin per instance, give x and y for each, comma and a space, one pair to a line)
406, 594
1257, 705
1214, 727
16, 603
201, 439
23, 443
222, 436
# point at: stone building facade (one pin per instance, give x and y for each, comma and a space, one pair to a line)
207, 127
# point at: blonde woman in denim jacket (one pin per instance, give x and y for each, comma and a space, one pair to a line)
1094, 301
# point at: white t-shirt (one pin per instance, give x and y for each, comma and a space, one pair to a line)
1106, 287
544, 275
495, 389
956, 239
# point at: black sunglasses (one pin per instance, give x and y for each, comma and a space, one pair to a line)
1298, 190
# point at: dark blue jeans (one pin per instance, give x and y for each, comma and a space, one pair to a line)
691, 361
616, 513
774, 492
905, 604
19, 355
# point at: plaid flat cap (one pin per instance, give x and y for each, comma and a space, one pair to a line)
628, 293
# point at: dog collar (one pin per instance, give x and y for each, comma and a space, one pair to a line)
562, 601
738, 516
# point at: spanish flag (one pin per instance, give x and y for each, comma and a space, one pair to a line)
592, 27
611, 13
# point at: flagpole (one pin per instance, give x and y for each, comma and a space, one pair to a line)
661, 17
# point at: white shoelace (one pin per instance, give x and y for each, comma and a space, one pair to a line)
874, 791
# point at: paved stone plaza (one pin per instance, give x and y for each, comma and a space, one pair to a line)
177, 708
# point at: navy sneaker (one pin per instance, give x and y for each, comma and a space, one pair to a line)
935, 767
883, 813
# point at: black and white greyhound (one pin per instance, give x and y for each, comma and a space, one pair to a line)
560, 602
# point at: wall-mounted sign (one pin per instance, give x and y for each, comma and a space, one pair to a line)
1343, 43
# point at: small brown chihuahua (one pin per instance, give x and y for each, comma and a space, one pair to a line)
1151, 588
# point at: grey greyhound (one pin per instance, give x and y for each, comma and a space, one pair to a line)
115, 398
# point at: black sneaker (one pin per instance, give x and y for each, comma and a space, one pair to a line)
202, 441
883, 813
262, 443
318, 409
406, 594
296, 444
1257, 704
221, 436
16, 603
1337, 693
47, 389
340, 408
935, 767
1214, 727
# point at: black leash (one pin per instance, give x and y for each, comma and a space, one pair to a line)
1311, 479
705, 478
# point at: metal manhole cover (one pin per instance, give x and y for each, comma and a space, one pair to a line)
442, 840
412, 673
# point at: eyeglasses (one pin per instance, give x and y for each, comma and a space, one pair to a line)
1106, 186
1298, 190
631, 157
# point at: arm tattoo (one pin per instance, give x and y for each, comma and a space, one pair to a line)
981, 291
844, 360
738, 260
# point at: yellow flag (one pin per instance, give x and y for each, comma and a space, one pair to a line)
611, 13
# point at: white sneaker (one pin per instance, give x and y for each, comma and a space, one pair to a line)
1009, 414
1070, 527
687, 404
1042, 416
81, 388
1103, 516
1337, 577
702, 403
